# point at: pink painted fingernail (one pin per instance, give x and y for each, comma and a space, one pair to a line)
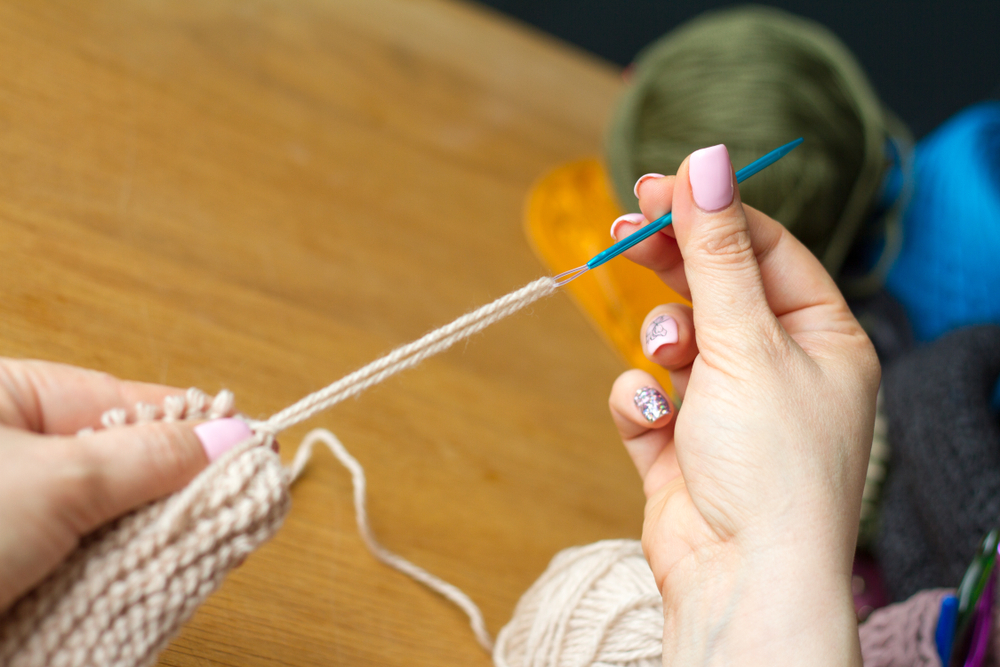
634, 218
711, 175
651, 403
661, 331
220, 435
644, 177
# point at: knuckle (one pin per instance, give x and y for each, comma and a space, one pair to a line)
101, 381
729, 241
773, 344
754, 344
77, 487
168, 452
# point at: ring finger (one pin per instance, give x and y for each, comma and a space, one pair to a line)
644, 417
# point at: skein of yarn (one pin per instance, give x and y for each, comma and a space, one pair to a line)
594, 605
947, 271
751, 78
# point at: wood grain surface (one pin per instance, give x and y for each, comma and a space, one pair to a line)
265, 196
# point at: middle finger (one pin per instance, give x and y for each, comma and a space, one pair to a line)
668, 340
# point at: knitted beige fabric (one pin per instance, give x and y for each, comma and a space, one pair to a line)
126, 590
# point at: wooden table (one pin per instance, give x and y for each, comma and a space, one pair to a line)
265, 196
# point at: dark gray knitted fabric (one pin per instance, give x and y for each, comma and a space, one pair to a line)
942, 493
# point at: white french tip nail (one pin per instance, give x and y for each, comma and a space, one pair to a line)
634, 218
644, 177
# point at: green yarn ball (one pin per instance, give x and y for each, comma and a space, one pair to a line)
755, 78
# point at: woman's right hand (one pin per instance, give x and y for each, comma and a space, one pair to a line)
754, 486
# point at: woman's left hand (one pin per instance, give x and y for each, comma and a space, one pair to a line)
56, 486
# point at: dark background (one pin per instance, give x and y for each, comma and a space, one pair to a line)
926, 60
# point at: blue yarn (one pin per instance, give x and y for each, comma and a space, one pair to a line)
944, 636
947, 273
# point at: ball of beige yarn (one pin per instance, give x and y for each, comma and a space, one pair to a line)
595, 605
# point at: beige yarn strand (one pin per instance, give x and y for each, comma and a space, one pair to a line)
408, 355
379, 370
415, 572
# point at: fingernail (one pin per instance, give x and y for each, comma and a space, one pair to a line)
651, 403
634, 218
220, 435
711, 175
644, 177
661, 331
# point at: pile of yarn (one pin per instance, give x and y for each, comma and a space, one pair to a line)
752, 78
942, 492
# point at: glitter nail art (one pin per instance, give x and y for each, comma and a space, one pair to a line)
651, 403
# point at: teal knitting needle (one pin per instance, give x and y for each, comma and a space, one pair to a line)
661, 222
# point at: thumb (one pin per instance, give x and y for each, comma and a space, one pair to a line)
117, 470
727, 293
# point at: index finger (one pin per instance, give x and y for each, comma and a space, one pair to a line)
58, 399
